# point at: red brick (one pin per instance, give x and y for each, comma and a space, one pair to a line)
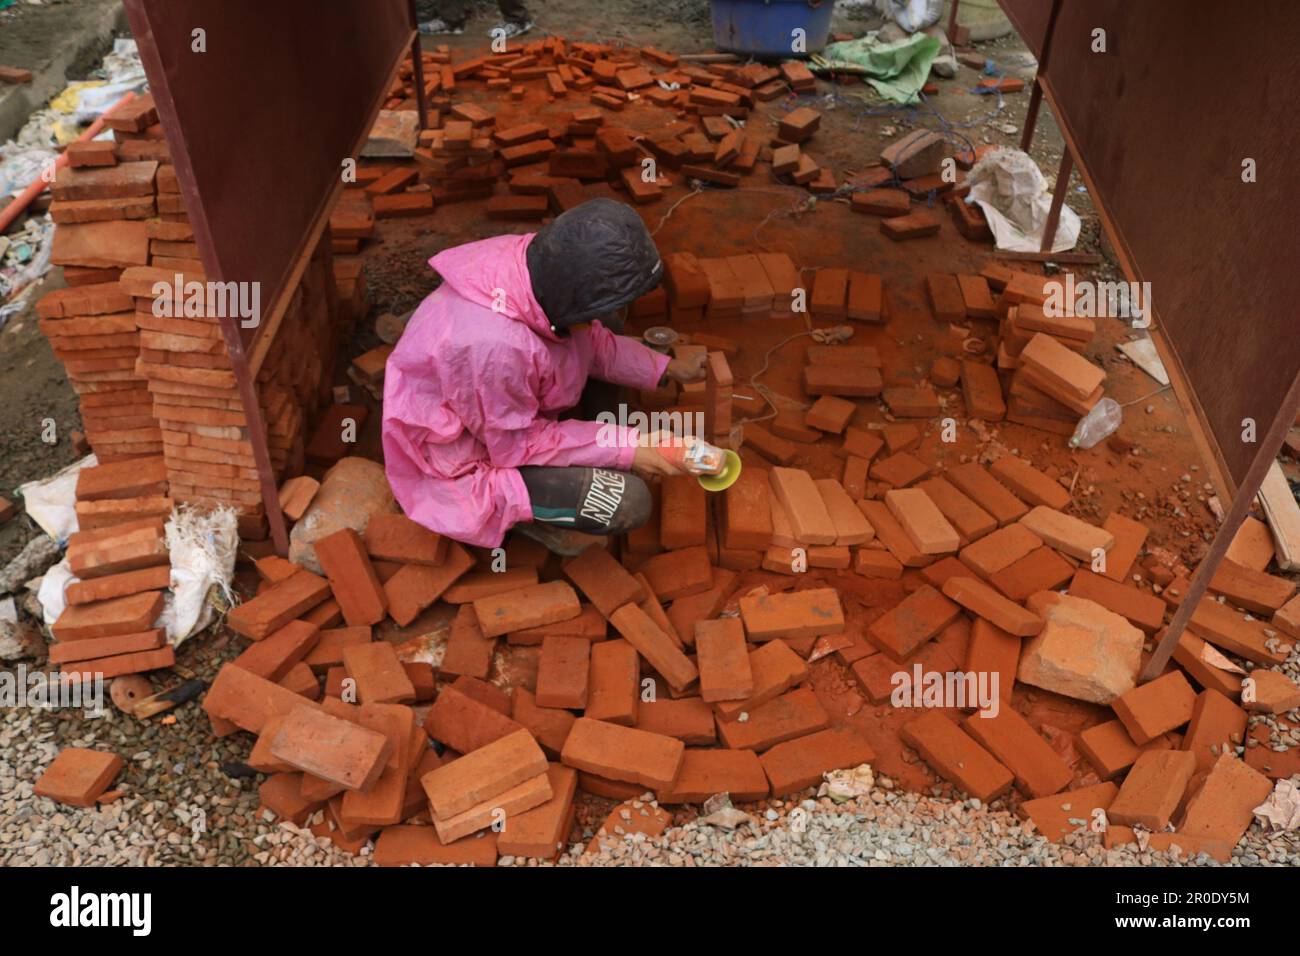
589, 624
379, 676
723, 660
1223, 808
614, 683
415, 587
956, 757
604, 581
301, 680
549, 725
1143, 610
1153, 789
921, 518
534, 606
541, 833
1068, 534
127, 547
342, 556
811, 613
467, 651
127, 479
993, 651
92, 648
562, 673
707, 772
982, 392
842, 379
404, 845
328, 650
1057, 816
916, 619
677, 574
1129, 535
803, 503
1111, 750
465, 724
1040, 570
1038, 770
688, 719
623, 753
278, 605
981, 600
272, 658
487, 694
945, 297
916, 225
987, 492
1029, 483
1218, 726
125, 615
1156, 707
488, 772
899, 470
652, 643
482, 584
747, 511
119, 665
877, 563
1225, 627
687, 284
793, 714
771, 447
851, 526
801, 763
393, 537
78, 776
246, 700
891, 534
335, 750
682, 512
1000, 549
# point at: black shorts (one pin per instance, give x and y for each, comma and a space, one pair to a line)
590, 500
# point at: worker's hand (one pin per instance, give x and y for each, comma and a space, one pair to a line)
688, 368
648, 461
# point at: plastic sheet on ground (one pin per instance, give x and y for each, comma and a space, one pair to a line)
1010, 188
52, 502
1281, 811
896, 71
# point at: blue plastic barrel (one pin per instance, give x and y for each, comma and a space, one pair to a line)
767, 27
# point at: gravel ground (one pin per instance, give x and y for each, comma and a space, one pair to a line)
173, 779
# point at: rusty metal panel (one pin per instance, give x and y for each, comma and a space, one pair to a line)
1029, 17
1161, 123
261, 120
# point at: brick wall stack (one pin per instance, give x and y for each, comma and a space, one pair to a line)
154, 384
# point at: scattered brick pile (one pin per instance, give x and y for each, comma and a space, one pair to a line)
687, 118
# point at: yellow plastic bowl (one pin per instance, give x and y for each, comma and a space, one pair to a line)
725, 478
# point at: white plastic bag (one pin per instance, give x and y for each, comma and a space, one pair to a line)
203, 546
1009, 187
52, 502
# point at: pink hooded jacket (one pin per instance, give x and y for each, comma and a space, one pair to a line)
473, 390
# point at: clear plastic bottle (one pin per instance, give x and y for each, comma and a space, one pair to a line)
1098, 425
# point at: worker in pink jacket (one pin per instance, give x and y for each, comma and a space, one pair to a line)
473, 439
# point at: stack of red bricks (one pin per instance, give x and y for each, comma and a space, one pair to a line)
103, 198
122, 568
158, 381
1051, 383
913, 168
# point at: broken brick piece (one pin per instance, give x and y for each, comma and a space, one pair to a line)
78, 776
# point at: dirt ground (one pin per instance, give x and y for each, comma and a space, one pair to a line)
1161, 483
